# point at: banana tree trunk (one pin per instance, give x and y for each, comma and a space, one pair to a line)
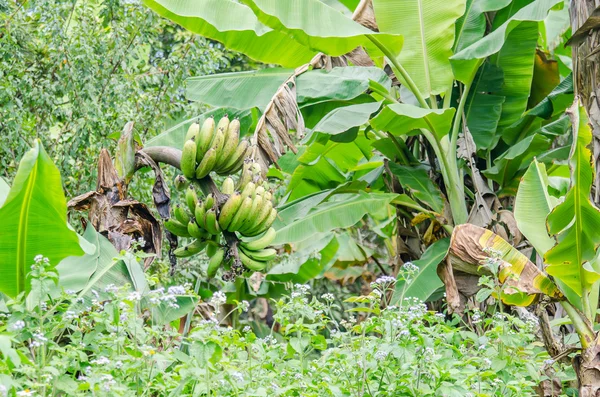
585, 42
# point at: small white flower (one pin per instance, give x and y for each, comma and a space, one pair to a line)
245, 306
134, 296
17, 325
487, 363
247, 329
298, 376
381, 355
177, 290
329, 297
3, 391
111, 289
38, 258
218, 299
25, 393
101, 361
238, 377
70, 315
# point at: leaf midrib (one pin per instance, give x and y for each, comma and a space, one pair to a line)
424, 45
22, 229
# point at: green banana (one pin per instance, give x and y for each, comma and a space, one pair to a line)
191, 249
218, 143
176, 227
252, 264
209, 202
196, 231
188, 159
246, 176
212, 247
265, 224
264, 255
268, 196
215, 262
237, 158
240, 215
252, 220
263, 214
181, 183
223, 123
231, 140
229, 210
205, 137
262, 242
210, 222
259, 191
207, 164
228, 186
199, 214
192, 132
181, 214
191, 198
248, 190
256, 169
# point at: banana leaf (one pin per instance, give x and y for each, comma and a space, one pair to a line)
575, 222
34, 221
428, 30
471, 246
333, 215
236, 26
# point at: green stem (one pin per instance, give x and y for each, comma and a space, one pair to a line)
583, 328
409, 81
458, 118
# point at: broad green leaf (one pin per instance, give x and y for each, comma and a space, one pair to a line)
343, 118
175, 135
516, 59
532, 206
241, 90
401, 119
332, 215
464, 62
547, 107
426, 281
4, 189
483, 113
575, 222
516, 159
342, 83
471, 26
164, 313
236, 26
428, 30
304, 264
417, 181
318, 26
34, 221
120, 271
75, 272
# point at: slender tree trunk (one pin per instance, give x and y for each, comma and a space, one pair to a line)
586, 79
586, 72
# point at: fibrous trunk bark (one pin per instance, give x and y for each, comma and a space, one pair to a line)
585, 42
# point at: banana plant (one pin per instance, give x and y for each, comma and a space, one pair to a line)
34, 221
564, 231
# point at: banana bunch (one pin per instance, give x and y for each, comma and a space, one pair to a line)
248, 213
197, 220
255, 254
213, 148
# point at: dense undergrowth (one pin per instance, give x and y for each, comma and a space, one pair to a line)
109, 347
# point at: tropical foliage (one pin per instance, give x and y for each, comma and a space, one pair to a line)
431, 173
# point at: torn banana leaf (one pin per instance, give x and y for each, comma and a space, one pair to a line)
472, 246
